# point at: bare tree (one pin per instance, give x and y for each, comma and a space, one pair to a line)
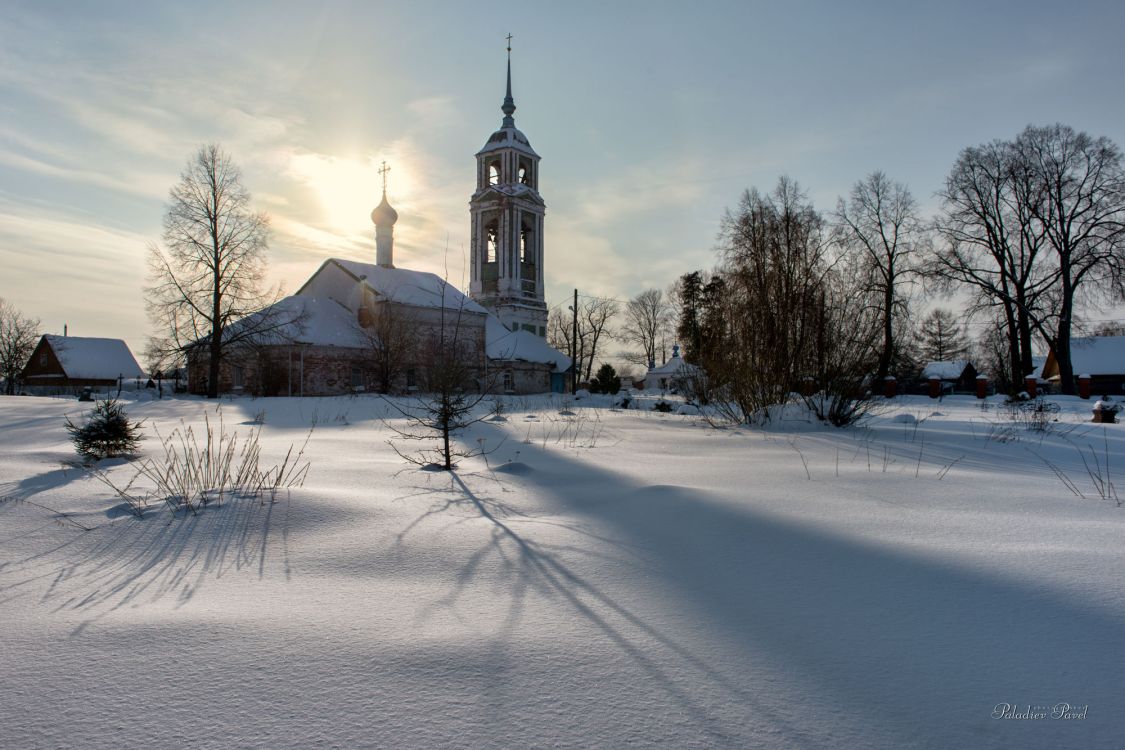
1037, 226
880, 223
648, 317
780, 317
210, 270
1080, 205
18, 336
992, 245
594, 317
391, 334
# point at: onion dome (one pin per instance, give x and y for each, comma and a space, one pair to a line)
384, 215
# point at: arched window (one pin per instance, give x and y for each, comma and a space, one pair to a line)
492, 243
527, 240
494, 172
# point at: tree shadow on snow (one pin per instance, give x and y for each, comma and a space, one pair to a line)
154, 559
917, 648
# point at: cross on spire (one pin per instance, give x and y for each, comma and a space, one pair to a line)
383, 171
509, 107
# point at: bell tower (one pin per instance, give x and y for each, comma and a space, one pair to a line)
506, 255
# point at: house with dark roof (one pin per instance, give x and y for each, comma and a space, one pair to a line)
954, 374
64, 364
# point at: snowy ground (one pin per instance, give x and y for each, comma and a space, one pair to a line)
606, 579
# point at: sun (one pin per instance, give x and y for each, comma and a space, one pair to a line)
348, 188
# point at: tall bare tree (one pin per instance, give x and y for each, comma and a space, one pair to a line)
210, 270
1080, 205
881, 224
991, 244
1036, 226
18, 336
648, 317
595, 314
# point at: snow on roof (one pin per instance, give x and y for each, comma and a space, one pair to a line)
502, 344
508, 138
410, 287
674, 366
947, 370
1098, 355
319, 321
93, 358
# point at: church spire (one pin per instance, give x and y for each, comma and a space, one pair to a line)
509, 104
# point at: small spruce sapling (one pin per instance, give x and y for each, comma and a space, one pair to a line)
108, 432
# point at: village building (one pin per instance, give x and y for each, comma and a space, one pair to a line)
954, 374
675, 375
357, 326
68, 364
1099, 358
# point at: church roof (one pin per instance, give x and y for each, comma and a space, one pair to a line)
402, 285
508, 138
513, 190
502, 344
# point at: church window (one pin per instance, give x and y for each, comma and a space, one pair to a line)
357, 378
525, 172
43, 358
507, 382
492, 241
411, 379
237, 377
494, 172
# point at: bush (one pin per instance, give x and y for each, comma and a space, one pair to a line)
663, 406
606, 381
108, 432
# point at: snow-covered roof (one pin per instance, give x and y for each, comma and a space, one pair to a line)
94, 358
327, 321
674, 366
319, 321
512, 190
948, 370
1098, 355
502, 344
409, 287
508, 138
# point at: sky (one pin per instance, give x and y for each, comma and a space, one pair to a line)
651, 118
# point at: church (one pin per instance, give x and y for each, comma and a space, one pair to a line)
356, 326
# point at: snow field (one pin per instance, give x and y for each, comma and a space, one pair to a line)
605, 579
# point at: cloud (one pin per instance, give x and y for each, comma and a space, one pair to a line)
83, 273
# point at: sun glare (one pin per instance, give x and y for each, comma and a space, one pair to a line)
349, 188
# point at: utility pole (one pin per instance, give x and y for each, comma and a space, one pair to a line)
574, 348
